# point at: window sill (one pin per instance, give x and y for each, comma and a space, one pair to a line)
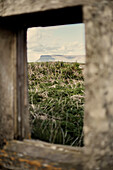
32, 154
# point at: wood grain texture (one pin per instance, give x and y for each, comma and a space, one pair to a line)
14, 121
40, 155
22, 99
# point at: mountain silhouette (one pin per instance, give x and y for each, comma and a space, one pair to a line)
45, 58
64, 58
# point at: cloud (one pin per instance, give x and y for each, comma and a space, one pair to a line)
42, 41
32, 56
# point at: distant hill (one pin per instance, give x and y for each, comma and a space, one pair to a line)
64, 58
44, 58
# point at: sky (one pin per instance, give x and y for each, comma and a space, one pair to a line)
55, 40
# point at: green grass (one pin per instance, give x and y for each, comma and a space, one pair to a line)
56, 97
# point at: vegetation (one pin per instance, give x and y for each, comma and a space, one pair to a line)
56, 97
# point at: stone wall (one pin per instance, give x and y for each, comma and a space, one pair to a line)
15, 7
98, 126
7, 78
99, 84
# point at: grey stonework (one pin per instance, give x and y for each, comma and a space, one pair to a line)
98, 120
15, 7
98, 127
7, 46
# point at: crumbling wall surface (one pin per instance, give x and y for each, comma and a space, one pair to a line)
99, 85
6, 85
15, 7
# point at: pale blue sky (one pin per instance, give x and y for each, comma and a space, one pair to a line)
56, 40
71, 32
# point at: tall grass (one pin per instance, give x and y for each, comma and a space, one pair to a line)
56, 102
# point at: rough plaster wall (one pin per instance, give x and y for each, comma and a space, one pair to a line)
99, 85
13, 7
6, 85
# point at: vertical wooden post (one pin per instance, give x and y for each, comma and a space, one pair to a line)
14, 117
22, 97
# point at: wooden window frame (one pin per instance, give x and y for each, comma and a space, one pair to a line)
22, 152
22, 102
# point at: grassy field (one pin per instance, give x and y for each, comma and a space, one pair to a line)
56, 102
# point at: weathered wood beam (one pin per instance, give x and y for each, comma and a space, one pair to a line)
22, 91
41, 155
14, 121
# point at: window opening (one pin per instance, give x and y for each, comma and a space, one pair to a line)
56, 61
